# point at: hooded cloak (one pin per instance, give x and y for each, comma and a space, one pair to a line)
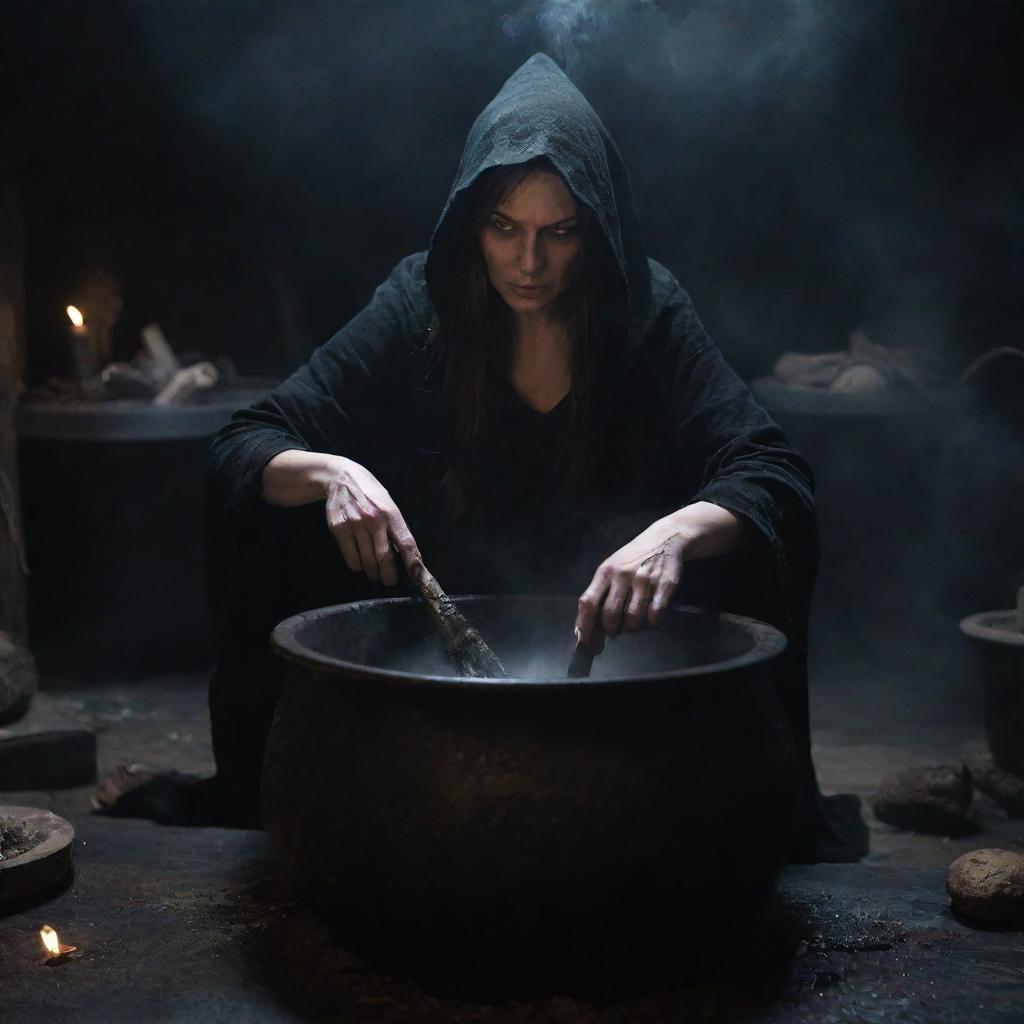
684, 428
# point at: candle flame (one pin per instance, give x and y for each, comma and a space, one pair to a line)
75, 316
50, 940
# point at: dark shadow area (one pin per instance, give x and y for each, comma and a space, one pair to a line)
294, 954
37, 900
249, 171
253, 170
839, 941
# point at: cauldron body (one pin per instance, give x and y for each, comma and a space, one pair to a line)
999, 644
446, 823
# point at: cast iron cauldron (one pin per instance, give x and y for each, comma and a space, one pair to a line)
481, 825
999, 642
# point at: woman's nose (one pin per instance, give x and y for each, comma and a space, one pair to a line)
530, 256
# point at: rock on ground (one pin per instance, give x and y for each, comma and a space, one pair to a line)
1005, 788
18, 679
988, 885
933, 800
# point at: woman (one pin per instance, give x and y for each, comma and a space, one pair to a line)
532, 404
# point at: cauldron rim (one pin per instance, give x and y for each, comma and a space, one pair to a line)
995, 627
769, 643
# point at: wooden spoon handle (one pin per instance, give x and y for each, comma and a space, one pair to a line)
582, 662
465, 646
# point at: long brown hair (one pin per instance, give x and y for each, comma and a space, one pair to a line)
475, 338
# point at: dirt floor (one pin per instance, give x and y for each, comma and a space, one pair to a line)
196, 925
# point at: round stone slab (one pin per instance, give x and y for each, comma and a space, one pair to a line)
46, 865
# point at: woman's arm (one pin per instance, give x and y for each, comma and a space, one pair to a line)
361, 514
636, 582
286, 449
707, 530
330, 405
299, 477
746, 483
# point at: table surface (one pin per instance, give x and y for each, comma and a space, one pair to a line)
778, 396
133, 419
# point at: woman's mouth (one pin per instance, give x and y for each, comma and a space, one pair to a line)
529, 289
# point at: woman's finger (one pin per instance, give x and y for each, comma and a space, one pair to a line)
615, 599
589, 606
367, 554
640, 595
341, 530
405, 543
347, 542
385, 555
360, 520
664, 589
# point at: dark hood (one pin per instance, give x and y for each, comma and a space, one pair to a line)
539, 112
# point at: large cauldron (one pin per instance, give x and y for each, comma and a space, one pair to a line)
999, 641
504, 824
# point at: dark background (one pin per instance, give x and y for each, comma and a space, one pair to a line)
253, 168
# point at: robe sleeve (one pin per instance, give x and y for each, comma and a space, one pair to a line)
339, 402
748, 466
330, 403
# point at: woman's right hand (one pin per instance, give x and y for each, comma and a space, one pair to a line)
367, 524
361, 515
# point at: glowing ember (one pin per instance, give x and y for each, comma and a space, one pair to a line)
75, 316
52, 943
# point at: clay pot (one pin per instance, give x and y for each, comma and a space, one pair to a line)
458, 824
999, 642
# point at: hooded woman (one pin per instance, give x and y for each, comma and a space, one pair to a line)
533, 404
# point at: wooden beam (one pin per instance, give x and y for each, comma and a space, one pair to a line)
17, 671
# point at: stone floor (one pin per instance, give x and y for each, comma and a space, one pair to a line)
194, 925
182, 925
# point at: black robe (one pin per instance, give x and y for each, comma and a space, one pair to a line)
682, 428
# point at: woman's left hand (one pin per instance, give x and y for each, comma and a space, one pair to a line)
633, 586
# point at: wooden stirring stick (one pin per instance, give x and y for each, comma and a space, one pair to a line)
465, 646
582, 659
582, 662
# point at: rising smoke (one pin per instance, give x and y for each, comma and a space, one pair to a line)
736, 46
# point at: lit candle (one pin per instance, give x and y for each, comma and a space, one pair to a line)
55, 949
82, 360
77, 321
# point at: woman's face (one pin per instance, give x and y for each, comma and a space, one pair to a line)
529, 242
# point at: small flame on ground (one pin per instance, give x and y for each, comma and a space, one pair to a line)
75, 316
50, 940
52, 944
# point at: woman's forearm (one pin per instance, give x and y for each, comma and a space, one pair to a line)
296, 477
636, 583
359, 511
706, 530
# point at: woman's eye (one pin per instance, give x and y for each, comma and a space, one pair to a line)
562, 232
503, 226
